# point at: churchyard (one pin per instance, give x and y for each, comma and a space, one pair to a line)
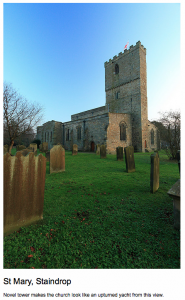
97, 215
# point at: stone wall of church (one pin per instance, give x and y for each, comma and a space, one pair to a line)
153, 143
50, 132
113, 132
88, 113
126, 90
93, 130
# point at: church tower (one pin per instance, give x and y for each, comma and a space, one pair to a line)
126, 90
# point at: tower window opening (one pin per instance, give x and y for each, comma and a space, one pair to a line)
116, 69
117, 95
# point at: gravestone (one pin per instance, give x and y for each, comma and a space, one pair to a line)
129, 159
20, 147
33, 146
57, 159
102, 151
44, 147
75, 149
154, 172
24, 183
48, 156
174, 193
119, 152
178, 158
98, 149
26, 151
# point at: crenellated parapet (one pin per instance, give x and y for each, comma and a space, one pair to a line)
126, 52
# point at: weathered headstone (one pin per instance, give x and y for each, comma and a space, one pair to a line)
75, 149
33, 146
119, 152
174, 193
129, 159
178, 158
20, 147
25, 151
98, 149
24, 183
48, 156
44, 147
57, 159
102, 151
154, 172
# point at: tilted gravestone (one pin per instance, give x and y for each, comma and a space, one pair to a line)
57, 159
98, 149
129, 159
75, 149
119, 152
154, 172
102, 151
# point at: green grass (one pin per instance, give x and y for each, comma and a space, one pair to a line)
98, 216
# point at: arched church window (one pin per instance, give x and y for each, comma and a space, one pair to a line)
123, 131
152, 137
116, 69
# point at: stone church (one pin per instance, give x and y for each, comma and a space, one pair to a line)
123, 121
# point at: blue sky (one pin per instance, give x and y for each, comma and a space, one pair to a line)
54, 54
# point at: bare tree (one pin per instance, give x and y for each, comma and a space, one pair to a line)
172, 122
20, 117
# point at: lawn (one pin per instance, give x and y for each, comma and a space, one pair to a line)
98, 216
